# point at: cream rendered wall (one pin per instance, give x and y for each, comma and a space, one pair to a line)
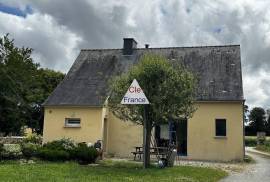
123, 137
202, 143
105, 128
91, 124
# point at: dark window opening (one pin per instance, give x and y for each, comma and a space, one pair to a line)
220, 127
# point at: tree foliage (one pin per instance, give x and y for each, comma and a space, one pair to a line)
168, 86
257, 118
23, 88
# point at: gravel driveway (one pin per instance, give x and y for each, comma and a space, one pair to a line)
258, 172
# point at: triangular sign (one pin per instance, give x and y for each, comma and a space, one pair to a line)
134, 95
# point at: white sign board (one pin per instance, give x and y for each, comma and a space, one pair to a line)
134, 95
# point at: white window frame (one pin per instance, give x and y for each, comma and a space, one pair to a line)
72, 125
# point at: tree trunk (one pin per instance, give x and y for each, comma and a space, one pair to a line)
147, 128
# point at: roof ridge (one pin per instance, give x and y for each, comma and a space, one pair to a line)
140, 48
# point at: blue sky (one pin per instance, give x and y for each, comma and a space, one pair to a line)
15, 10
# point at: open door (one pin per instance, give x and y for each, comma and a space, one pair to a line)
174, 133
181, 137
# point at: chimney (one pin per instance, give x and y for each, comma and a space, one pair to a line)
129, 45
146, 46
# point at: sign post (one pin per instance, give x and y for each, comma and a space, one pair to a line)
135, 95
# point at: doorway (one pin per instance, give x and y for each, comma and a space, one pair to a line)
181, 137
174, 133
105, 134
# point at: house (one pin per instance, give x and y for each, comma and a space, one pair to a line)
77, 108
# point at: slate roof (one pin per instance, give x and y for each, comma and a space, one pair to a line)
218, 69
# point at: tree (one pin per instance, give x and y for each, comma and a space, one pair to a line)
169, 88
23, 88
257, 118
16, 70
46, 82
268, 122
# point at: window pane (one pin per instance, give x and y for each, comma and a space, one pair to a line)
72, 122
220, 127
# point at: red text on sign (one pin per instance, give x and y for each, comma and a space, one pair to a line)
134, 90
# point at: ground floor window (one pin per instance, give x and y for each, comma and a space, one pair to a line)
221, 127
72, 122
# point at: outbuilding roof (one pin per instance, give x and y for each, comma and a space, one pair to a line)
218, 69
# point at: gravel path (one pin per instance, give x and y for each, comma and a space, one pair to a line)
258, 172
230, 167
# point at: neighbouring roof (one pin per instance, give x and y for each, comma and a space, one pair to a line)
218, 69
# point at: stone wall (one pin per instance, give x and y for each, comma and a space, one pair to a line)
11, 139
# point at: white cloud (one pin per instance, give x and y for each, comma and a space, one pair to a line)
58, 29
54, 45
257, 89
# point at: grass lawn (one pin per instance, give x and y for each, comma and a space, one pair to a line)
106, 171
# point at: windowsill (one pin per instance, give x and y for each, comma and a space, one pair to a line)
72, 126
220, 137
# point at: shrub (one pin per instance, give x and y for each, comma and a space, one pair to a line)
57, 150
11, 151
250, 142
52, 155
65, 149
85, 154
1, 150
62, 144
33, 138
29, 150
261, 140
267, 143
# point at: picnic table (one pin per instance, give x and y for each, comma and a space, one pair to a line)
158, 151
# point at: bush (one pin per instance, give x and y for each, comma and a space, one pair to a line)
29, 150
57, 150
11, 151
1, 150
33, 138
53, 155
261, 140
65, 149
267, 143
251, 142
265, 147
85, 154
62, 144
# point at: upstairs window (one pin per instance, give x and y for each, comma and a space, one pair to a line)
220, 127
72, 122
